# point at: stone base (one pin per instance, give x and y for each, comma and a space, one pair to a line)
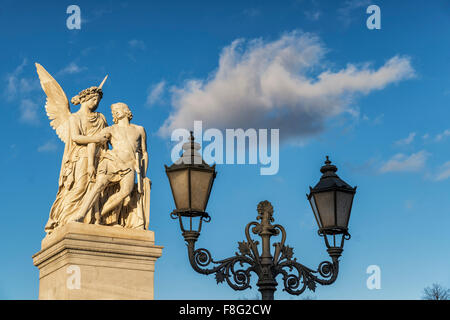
86, 261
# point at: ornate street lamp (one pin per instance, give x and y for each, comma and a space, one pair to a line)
330, 196
331, 201
191, 180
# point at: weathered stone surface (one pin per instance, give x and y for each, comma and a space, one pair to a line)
86, 261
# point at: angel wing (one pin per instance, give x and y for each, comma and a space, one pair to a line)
57, 105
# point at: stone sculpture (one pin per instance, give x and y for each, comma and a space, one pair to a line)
96, 184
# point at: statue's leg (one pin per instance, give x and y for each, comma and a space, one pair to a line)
126, 186
91, 197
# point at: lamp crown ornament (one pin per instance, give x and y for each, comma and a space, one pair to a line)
190, 152
265, 210
328, 169
330, 179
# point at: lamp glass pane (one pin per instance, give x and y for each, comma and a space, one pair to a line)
343, 203
316, 214
325, 204
180, 188
191, 223
200, 182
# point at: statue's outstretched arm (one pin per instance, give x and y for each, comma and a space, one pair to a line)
78, 138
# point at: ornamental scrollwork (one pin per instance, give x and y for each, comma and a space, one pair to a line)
236, 271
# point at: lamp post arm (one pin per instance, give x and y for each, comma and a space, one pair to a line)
234, 270
329, 271
304, 277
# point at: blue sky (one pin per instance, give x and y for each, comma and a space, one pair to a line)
389, 138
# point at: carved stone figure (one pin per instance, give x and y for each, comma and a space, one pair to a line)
96, 185
126, 161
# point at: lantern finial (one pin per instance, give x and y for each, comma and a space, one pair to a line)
328, 169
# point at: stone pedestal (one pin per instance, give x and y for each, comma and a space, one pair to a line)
85, 261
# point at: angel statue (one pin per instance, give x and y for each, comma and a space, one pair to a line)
95, 186
81, 152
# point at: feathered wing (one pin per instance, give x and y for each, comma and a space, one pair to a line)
57, 105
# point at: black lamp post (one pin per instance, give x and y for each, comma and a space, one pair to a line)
191, 180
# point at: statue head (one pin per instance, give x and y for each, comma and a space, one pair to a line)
119, 111
90, 97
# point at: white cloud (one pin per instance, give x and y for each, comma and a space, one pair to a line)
261, 84
137, 44
442, 135
28, 111
19, 91
346, 11
17, 84
378, 119
403, 163
313, 15
49, 146
252, 12
95, 14
72, 68
407, 140
155, 93
375, 121
444, 172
